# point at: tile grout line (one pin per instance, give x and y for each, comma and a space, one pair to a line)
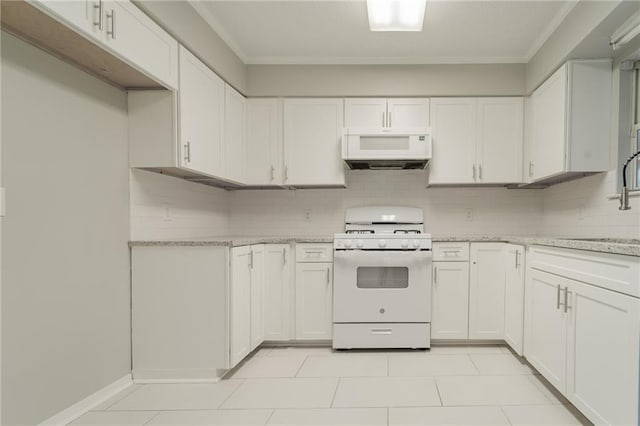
242, 381
301, 365
388, 415
273, 411
153, 417
474, 365
504, 413
335, 392
108, 407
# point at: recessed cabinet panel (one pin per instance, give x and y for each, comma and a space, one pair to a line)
486, 291
453, 122
514, 297
314, 301
450, 301
500, 140
546, 326
234, 131
201, 117
240, 304
409, 113
368, 113
256, 262
312, 139
264, 150
277, 293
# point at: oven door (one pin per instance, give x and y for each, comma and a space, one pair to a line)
382, 286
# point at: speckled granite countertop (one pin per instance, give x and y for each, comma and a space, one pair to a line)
629, 247
234, 241
626, 246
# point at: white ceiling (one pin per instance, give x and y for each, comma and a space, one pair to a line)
337, 32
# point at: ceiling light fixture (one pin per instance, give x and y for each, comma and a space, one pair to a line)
396, 15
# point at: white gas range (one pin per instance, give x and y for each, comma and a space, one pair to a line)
382, 280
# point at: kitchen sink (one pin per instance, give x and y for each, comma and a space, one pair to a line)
606, 240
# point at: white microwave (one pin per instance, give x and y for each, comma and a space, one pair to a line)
386, 150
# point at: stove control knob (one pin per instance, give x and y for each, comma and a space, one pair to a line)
382, 243
416, 244
405, 243
347, 243
359, 243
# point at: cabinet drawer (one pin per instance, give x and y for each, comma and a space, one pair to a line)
381, 335
611, 271
457, 251
307, 252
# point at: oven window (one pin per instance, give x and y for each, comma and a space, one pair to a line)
383, 277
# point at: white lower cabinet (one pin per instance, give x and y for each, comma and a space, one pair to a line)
246, 301
486, 291
314, 292
583, 337
277, 292
240, 304
450, 291
514, 297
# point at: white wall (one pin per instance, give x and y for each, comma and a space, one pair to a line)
386, 80
65, 259
164, 207
496, 211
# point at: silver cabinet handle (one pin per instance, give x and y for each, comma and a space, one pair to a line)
383, 123
480, 171
286, 173
328, 278
389, 118
474, 172
558, 297
187, 152
530, 168
251, 259
98, 6
284, 256
566, 299
112, 17
435, 275
272, 173
517, 253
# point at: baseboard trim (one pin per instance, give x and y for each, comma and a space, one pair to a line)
71, 413
173, 381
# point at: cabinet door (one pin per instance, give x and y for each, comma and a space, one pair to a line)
240, 304
549, 126
450, 300
277, 292
312, 141
602, 354
133, 36
368, 113
527, 163
314, 297
407, 113
234, 131
546, 326
514, 297
453, 126
263, 154
486, 291
500, 140
81, 15
201, 117
256, 262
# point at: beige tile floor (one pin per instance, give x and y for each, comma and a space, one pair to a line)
449, 385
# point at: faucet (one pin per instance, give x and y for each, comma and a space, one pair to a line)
624, 193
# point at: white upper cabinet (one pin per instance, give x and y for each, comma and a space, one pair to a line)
453, 127
500, 140
125, 31
476, 140
312, 141
571, 120
234, 130
264, 151
201, 117
386, 114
